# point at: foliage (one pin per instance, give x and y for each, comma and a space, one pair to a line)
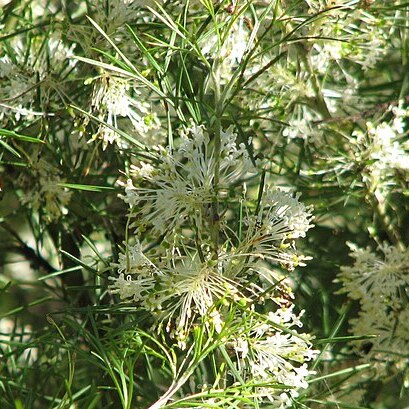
204, 204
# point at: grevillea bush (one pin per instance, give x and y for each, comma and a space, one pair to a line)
204, 204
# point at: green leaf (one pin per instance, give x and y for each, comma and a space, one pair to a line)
9, 148
145, 51
121, 133
89, 188
15, 135
343, 339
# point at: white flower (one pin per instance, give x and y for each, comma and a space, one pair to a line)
112, 100
6, 67
133, 260
131, 195
18, 86
295, 215
128, 287
302, 128
229, 48
389, 328
385, 147
401, 115
280, 220
137, 274
270, 354
285, 315
182, 186
114, 15
46, 193
32, 72
381, 152
190, 290
181, 291
372, 277
379, 284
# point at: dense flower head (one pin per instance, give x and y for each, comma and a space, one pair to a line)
193, 290
184, 291
301, 126
367, 39
179, 288
114, 98
136, 274
43, 190
373, 278
277, 205
382, 151
379, 283
272, 352
115, 14
389, 328
196, 285
281, 219
228, 48
182, 185
18, 86
34, 67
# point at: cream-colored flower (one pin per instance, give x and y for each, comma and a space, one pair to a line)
182, 186
271, 233
268, 354
42, 190
116, 98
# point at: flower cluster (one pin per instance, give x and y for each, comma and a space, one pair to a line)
229, 49
280, 220
24, 78
223, 122
112, 100
379, 283
185, 291
43, 190
382, 151
136, 274
182, 186
187, 280
270, 354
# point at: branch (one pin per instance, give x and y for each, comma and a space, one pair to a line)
30, 254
